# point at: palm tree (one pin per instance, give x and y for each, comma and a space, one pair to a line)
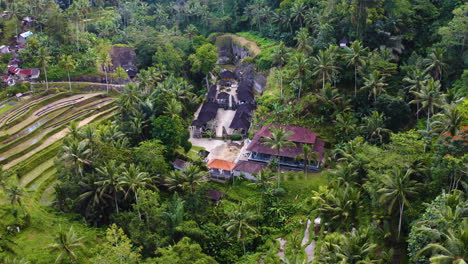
105, 61
330, 97
66, 244
187, 179
324, 66
297, 12
15, 194
416, 80
345, 125
77, 153
68, 63
241, 223
453, 250
355, 56
375, 84
109, 184
308, 155
356, 247
44, 58
279, 141
173, 108
449, 121
279, 58
299, 65
430, 98
397, 190
374, 127
339, 202
133, 179
303, 41
191, 31
435, 62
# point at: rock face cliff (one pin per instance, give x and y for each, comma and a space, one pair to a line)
231, 53
124, 57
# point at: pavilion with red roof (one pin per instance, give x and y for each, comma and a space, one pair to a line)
287, 156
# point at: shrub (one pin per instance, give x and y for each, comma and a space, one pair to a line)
235, 137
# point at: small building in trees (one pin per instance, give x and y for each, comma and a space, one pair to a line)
220, 170
29, 74
248, 169
4, 49
22, 38
343, 43
287, 157
179, 164
223, 100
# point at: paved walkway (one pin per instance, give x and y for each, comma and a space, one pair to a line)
223, 119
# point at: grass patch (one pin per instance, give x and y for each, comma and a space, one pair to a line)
32, 175
32, 242
6, 107
262, 42
299, 185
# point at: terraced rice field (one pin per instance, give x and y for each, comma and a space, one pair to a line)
30, 133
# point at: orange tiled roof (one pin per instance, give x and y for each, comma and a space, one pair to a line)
221, 164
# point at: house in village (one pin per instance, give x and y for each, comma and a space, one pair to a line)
22, 38
223, 100
211, 95
244, 92
8, 80
29, 74
179, 164
205, 119
240, 124
288, 156
4, 49
248, 169
14, 62
13, 70
220, 170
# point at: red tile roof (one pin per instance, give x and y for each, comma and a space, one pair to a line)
5, 78
249, 166
29, 72
221, 164
300, 134
13, 70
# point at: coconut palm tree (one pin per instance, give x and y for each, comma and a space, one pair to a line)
279, 141
67, 244
191, 31
77, 154
109, 185
308, 155
330, 97
187, 179
430, 98
15, 195
323, 66
375, 84
397, 190
68, 63
133, 179
300, 68
449, 121
356, 247
435, 62
241, 223
44, 59
355, 55
454, 248
339, 202
105, 61
173, 108
416, 80
303, 40
374, 127
298, 11
345, 125
279, 58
